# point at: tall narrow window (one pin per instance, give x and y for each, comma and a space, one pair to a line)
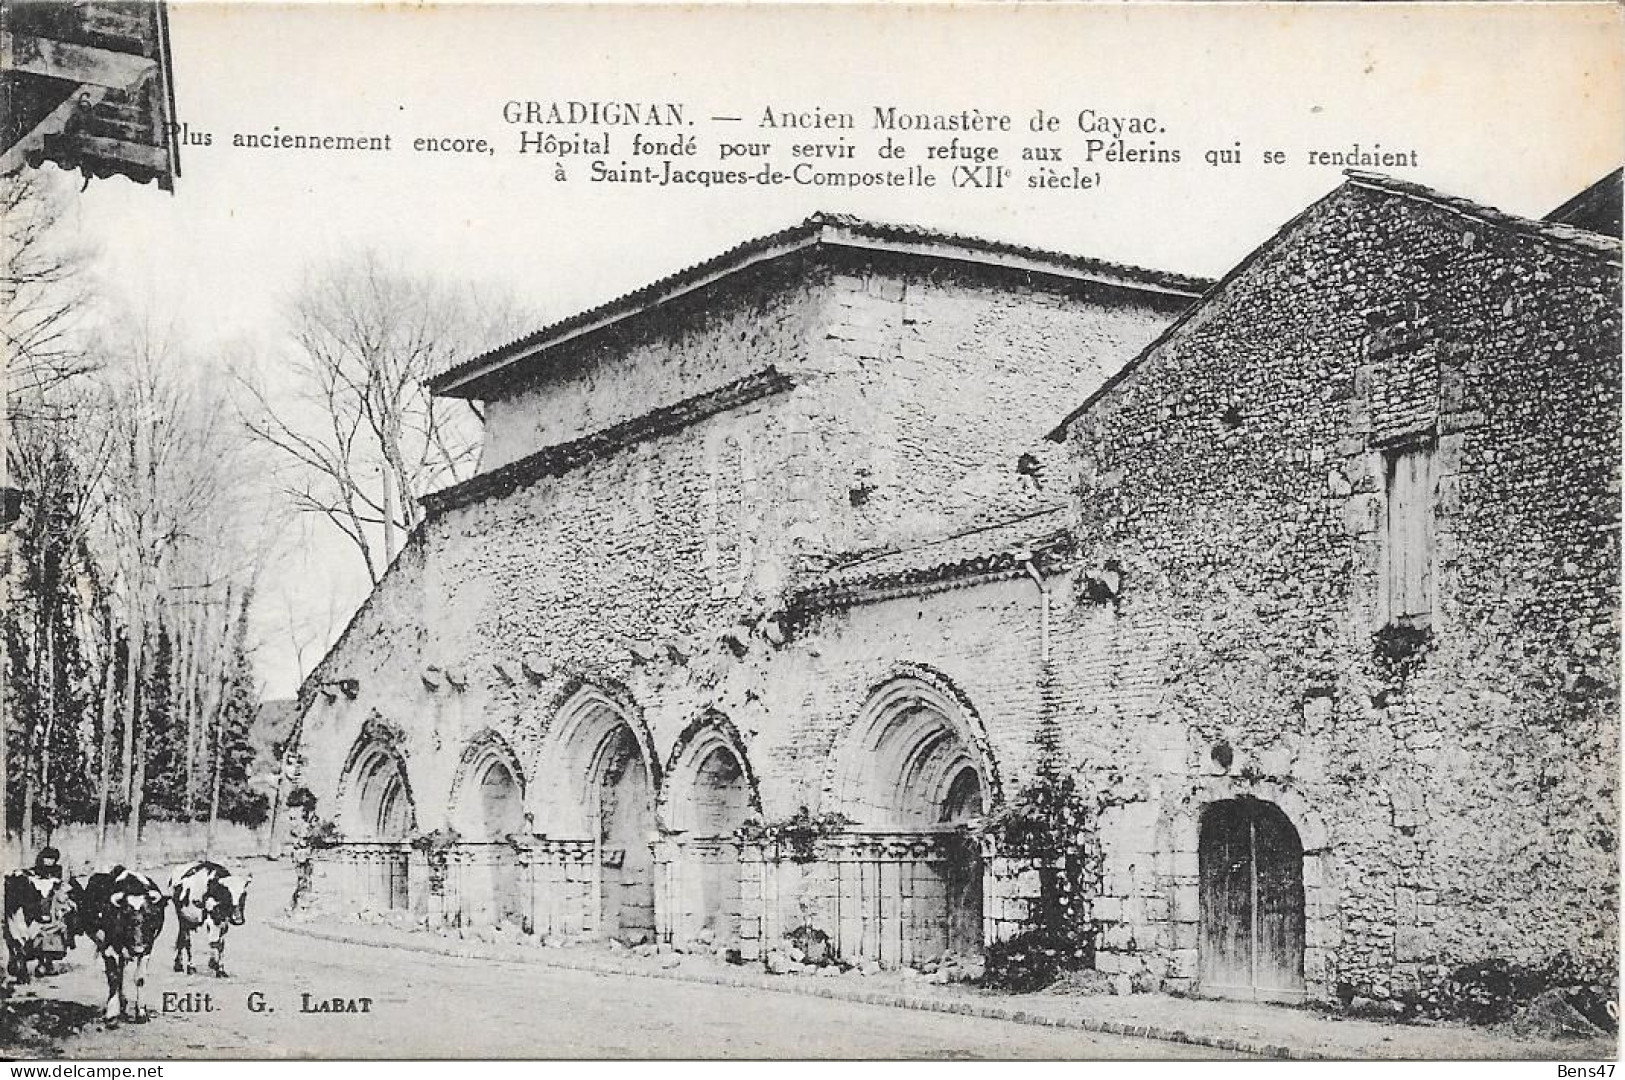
1408, 537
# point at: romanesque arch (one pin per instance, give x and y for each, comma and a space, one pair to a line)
487, 803
915, 761
916, 756
709, 787
598, 782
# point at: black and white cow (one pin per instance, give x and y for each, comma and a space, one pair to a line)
34, 910
122, 912
211, 899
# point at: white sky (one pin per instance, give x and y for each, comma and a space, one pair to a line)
1516, 106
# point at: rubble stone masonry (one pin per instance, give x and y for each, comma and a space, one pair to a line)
1453, 774
640, 520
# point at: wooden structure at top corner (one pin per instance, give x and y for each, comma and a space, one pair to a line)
88, 85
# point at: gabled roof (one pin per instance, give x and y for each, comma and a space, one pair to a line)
88, 86
1597, 208
822, 230
1580, 241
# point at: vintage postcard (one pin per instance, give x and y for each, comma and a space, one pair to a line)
795, 532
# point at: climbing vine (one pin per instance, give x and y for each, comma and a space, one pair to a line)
1044, 825
798, 834
437, 842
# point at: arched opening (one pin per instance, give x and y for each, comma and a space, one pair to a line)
962, 876
911, 767
622, 802
500, 801
378, 811
720, 798
487, 806
964, 799
721, 803
1252, 902
382, 809
595, 786
904, 767
709, 792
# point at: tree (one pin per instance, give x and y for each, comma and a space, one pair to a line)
364, 438
42, 299
43, 294
187, 540
59, 454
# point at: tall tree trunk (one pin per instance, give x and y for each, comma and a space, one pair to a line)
138, 634
44, 695
109, 710
132, 830
219, 763
185, 690
132, 709
47, 795
39, 748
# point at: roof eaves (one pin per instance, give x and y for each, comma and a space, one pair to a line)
1047, 550
457, 380
1588, 243
1595, 245
818, 230
560, 458
1605, 191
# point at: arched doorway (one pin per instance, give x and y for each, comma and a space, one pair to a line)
623, 820
595, 786
488, 806
721, 803
962, 875
911, 766
378, 813
707, 795
1252, 902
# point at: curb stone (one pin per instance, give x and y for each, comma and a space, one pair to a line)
918, 1003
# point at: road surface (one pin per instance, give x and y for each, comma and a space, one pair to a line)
422, 1006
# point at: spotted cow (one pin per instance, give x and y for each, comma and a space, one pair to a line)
210, 899
122, 912
35, 918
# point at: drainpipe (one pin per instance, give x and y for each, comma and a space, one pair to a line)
1031, 567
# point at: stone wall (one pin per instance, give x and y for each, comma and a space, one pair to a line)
652, 567
1453, 778
654, 358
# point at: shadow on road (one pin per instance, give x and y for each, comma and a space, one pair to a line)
35, 1026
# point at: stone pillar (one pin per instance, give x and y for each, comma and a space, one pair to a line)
754, 869
668, 890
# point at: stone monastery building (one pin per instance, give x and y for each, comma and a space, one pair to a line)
783, 574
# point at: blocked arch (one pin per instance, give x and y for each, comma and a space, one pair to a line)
709, 739
915, 754
575, 753
374, 797
488, 762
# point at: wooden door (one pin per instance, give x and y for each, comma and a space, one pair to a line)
1251, 862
